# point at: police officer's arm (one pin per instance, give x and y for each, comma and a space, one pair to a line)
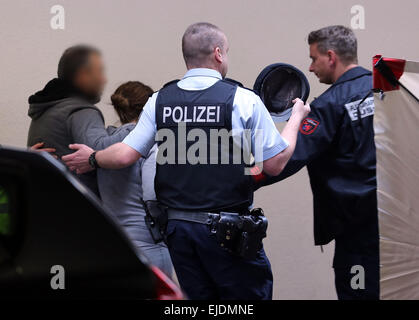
274, 165
315, 136
119, 155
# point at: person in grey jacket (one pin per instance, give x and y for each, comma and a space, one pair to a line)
64, 111
121, 191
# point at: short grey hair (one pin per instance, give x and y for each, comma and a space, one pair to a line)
340, 39
199, 41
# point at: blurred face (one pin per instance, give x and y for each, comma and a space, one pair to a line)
322, 64
91, 78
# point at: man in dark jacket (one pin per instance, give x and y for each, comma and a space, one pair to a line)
336, 143
64, 112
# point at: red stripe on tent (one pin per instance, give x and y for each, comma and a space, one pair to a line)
396, 65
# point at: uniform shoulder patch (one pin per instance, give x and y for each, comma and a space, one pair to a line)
308, 126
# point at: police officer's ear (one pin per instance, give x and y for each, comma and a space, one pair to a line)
332, 57
218, 55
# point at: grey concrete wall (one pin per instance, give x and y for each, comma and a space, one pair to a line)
141, 41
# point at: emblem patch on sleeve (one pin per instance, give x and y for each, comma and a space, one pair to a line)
308, 126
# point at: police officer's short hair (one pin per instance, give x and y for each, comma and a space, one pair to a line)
199, 41
73, 59
340, 39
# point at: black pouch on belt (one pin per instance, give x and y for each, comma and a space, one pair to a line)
156, 220
253, 229
227, 230
242, 234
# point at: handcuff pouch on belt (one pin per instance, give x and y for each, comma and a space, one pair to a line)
156, 220
241, 234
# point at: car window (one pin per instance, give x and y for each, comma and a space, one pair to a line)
5, 214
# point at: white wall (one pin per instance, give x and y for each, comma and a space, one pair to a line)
141, 41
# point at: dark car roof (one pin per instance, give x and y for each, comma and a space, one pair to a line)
58, 221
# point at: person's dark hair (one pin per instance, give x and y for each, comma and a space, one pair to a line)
199, 41
340, 39
73, 59
129, 100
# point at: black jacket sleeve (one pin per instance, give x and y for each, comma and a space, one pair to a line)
315, 136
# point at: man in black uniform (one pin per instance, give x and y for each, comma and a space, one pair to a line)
336, 143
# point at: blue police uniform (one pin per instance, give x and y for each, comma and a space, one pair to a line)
203, 100
336, 143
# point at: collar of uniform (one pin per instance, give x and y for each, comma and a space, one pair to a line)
353, 73
203, 72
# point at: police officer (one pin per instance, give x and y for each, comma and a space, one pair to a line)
200, 103
336, 143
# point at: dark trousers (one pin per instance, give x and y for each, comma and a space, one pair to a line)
206, 271
358, 246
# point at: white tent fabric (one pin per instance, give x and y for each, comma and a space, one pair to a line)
396, 124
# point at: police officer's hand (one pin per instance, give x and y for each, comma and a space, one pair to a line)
79, 160
300, 109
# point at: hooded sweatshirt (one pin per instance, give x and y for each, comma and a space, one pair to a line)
62, 115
